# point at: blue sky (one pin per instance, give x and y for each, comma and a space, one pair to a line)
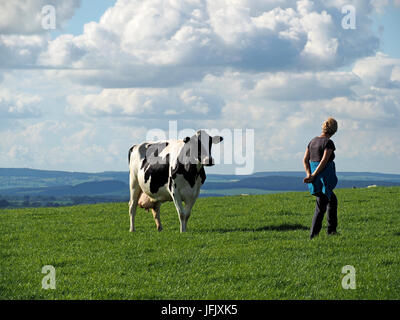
390, 20
89, 10
76, 99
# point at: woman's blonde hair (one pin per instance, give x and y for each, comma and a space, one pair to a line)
330, 126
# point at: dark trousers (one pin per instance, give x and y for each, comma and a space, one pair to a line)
323, 204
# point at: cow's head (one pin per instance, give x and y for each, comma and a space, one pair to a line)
197, 149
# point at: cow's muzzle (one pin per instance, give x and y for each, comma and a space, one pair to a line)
208, 162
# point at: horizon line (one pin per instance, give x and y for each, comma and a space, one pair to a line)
231, 174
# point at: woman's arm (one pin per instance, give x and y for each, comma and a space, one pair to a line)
321, 166
306, 162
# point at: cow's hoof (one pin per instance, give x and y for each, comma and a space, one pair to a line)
159, 229
131, 230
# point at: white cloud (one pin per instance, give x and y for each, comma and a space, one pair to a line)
374, 111
61, 52
18, 105
138, 43
145, 103
322, 42
379, 71
380, 5
18, 51
395, 77
18, 152
56, 144
305, 86
22, 36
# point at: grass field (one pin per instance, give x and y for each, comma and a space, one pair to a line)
237, 192
240, 247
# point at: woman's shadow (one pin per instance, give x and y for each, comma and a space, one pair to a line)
282, 227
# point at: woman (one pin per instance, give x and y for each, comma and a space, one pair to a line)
321, 177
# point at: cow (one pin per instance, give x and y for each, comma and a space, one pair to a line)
171, 170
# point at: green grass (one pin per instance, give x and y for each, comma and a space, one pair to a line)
237, 191
241, 247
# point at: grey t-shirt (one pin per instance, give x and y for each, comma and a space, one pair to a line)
317, 147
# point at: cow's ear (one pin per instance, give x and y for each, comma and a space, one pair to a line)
217, 139
186, 140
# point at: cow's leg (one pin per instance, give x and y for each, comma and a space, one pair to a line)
188, 209
156, 215
180, 209
135, 192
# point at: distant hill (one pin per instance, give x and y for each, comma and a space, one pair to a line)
41, 185
92, 188
32, 178
283, 183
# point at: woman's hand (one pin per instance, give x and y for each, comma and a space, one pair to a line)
309, 179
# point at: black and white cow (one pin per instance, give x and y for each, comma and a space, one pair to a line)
171, 170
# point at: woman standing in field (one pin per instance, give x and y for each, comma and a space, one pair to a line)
321, 177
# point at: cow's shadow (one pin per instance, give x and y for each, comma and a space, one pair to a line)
282, 227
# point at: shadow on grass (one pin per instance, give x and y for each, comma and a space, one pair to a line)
281, 228
397, 234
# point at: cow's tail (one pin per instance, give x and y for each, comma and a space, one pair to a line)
129, 154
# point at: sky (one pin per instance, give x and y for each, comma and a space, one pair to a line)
77, 97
